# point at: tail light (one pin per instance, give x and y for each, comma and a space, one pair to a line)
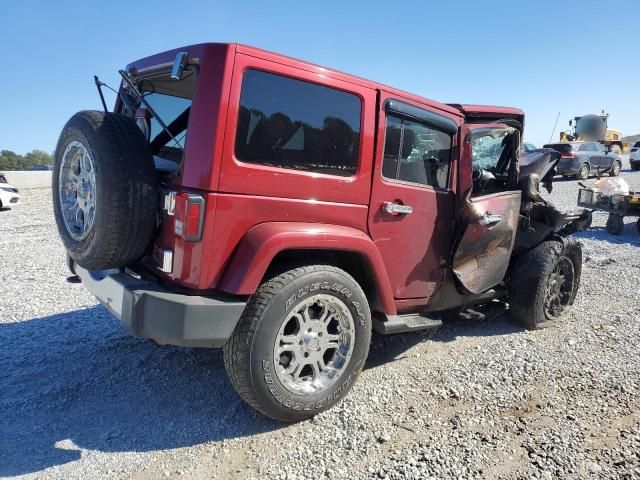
568, 155
189, 216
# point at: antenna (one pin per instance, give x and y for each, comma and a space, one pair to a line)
554, 128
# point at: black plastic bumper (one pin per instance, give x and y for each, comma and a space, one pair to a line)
149, 311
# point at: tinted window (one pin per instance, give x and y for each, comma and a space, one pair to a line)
175, 113
636, 145
598, 147
586, 147
289, 123
416, 153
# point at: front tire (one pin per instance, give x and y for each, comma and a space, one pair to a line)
301, 343
544, 282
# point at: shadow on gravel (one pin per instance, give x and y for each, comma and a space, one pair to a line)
76, 381
486, 321
630, 235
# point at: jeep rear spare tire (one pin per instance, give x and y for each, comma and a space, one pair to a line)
105, 190
301, 342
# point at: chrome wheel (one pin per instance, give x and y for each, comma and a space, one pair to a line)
583, 172
616, 169
314, 344
77, 190
559, 288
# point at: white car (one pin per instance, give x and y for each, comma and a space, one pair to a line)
9, 195
634, 156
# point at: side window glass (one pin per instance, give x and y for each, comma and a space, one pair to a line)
289, 123
416, 153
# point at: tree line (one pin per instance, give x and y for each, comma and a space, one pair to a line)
12, 161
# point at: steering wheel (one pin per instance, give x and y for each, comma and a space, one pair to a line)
481, 178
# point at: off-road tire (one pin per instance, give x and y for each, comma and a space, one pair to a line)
583, 172
529, 278
615, 224
249, 353
616, 166
126, 190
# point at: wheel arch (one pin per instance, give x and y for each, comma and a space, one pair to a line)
272, 247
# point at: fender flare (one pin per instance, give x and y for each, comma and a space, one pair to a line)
261, 243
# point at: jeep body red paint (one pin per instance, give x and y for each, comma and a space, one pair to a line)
283, 211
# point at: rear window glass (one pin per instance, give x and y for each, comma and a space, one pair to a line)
637, 144
288, 123
171, 100
173, 111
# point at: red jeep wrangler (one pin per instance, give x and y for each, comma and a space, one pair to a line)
242, 199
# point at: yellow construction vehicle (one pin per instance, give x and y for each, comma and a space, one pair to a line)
594, 128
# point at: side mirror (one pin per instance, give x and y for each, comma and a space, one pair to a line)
179, 65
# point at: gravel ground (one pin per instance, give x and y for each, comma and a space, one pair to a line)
480, 399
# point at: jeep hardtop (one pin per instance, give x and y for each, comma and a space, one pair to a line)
242, 199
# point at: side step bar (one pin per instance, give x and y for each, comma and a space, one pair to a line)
388, 324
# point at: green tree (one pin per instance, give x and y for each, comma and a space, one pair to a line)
39, 157
10, 160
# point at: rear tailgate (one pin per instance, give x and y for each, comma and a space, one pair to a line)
559, 147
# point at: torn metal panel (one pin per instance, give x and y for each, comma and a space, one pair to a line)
482, 257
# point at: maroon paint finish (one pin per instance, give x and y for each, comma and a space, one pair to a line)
253, 212
203, 147
415, 247
488, 113
263, 242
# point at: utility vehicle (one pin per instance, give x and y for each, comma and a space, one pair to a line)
242, 199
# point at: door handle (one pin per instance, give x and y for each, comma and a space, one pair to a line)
489, 220
396, 208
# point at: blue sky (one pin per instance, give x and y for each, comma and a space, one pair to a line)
542, 56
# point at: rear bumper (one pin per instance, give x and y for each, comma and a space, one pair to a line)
147, 310
567, 166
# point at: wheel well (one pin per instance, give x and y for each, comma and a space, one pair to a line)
353, 263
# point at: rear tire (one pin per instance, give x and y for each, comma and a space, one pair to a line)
583, 172
105, 192
615, 169
300, 343
615, 224
543, 283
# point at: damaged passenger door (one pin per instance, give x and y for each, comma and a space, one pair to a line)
490, 207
